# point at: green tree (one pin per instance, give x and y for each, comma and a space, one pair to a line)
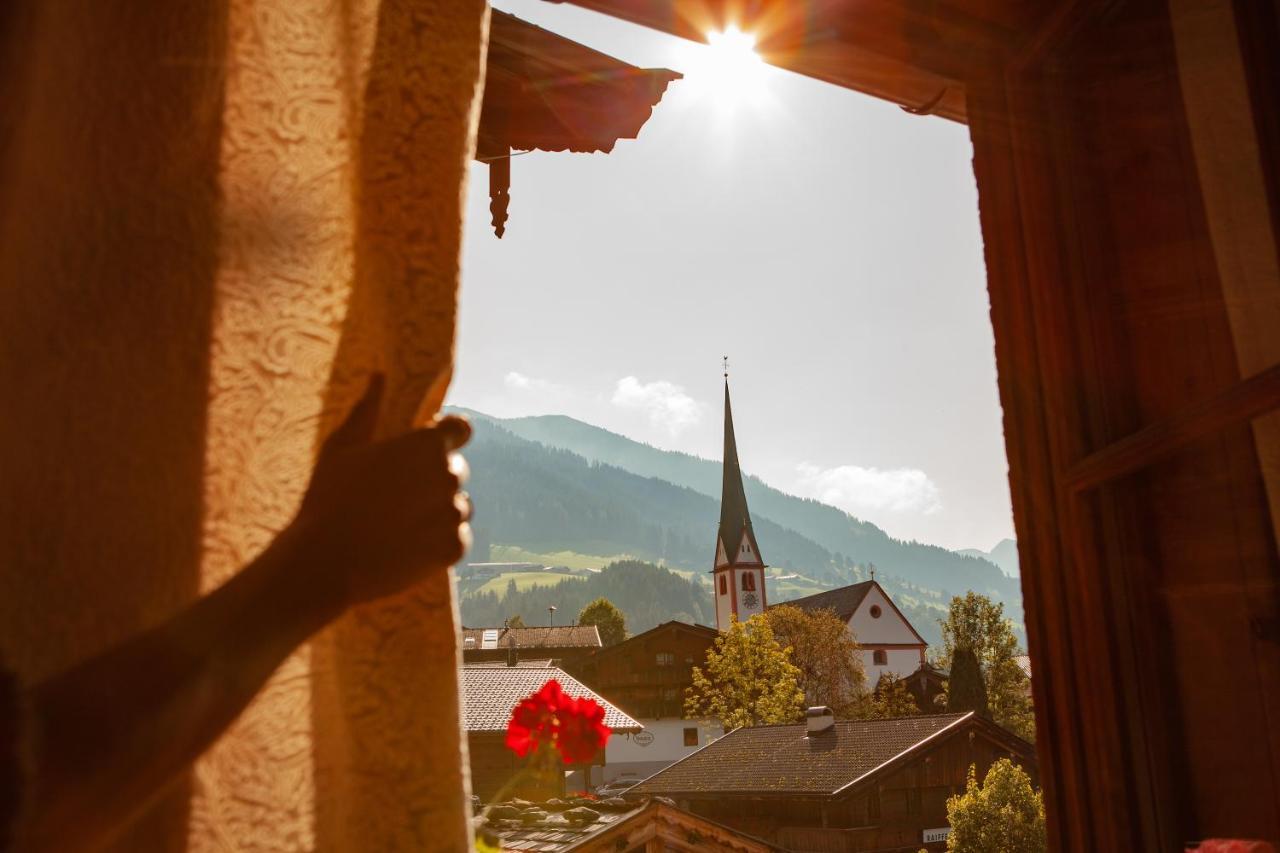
825, 652
966, 690
889, 700
977, 623
749, 679
608, 620
1004, 814
516, 621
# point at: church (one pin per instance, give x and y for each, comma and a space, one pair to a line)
889, 644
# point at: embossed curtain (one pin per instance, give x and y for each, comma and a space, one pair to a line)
216, 220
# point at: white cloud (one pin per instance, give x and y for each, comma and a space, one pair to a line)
519, 382
862, 491
664, 403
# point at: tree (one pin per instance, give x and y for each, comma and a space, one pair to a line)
890, 700
825, 652
516, 621
1002, 815
974, 621
965, 688
748, 680
608, 620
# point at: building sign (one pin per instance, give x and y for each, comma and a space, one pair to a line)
933, 836
643, 738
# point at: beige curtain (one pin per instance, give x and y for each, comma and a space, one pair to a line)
216, 221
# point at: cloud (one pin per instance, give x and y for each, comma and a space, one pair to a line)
665, 404
859, 490
519, 382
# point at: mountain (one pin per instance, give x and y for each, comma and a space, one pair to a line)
1004, 555
848, 540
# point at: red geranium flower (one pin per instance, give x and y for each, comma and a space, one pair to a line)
582, 730
533, 720
575, 726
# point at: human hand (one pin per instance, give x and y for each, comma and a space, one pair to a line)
380, 515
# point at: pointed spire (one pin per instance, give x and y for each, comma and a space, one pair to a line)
734, 516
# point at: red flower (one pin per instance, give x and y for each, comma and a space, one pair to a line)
533, 720
582, 730
575, 726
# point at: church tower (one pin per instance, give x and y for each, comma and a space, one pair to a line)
738, 575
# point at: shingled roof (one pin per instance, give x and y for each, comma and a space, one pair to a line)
785, 760
559, 637
491, 693
844, 601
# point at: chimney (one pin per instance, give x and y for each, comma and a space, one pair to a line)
513, 654
819, 719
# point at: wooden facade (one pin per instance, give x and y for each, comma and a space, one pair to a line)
647, 675
1126, 158
888, 811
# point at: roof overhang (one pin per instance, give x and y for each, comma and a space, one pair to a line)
915, 53
545, 92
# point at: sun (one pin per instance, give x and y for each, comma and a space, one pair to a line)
726, 70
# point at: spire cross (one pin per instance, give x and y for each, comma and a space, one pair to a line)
726, 367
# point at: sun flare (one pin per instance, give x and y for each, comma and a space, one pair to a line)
726, 69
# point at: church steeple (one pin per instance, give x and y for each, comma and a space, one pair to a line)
739, 568
735, 519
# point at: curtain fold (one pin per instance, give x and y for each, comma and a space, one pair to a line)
349, 129
217, 219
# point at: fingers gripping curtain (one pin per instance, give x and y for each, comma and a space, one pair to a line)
348, 128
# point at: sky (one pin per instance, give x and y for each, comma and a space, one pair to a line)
828, 243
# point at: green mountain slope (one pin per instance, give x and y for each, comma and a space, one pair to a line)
849, 540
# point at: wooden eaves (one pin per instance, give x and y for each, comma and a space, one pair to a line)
544, 92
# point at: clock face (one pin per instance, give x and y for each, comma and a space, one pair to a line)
749, 599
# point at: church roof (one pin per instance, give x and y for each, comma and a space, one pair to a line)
734, 516
844, 601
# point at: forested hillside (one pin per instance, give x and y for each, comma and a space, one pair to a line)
548, 500
796, 533
647, 594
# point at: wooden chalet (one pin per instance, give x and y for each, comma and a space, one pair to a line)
840, 786
564, 644
652, 826
647, 674
927, 685
490, 694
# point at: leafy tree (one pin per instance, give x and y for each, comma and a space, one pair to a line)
889, 700
515, 621
965, 688
748, 680
825, 652
979, 624
608, 620
1002, 815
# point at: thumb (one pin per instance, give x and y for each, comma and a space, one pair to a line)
362, 420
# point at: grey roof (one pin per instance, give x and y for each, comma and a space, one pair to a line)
844, 601
775, 760
559, 637
492, 693
734, 516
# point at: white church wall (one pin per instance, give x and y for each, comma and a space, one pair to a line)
888, 628
900, 662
